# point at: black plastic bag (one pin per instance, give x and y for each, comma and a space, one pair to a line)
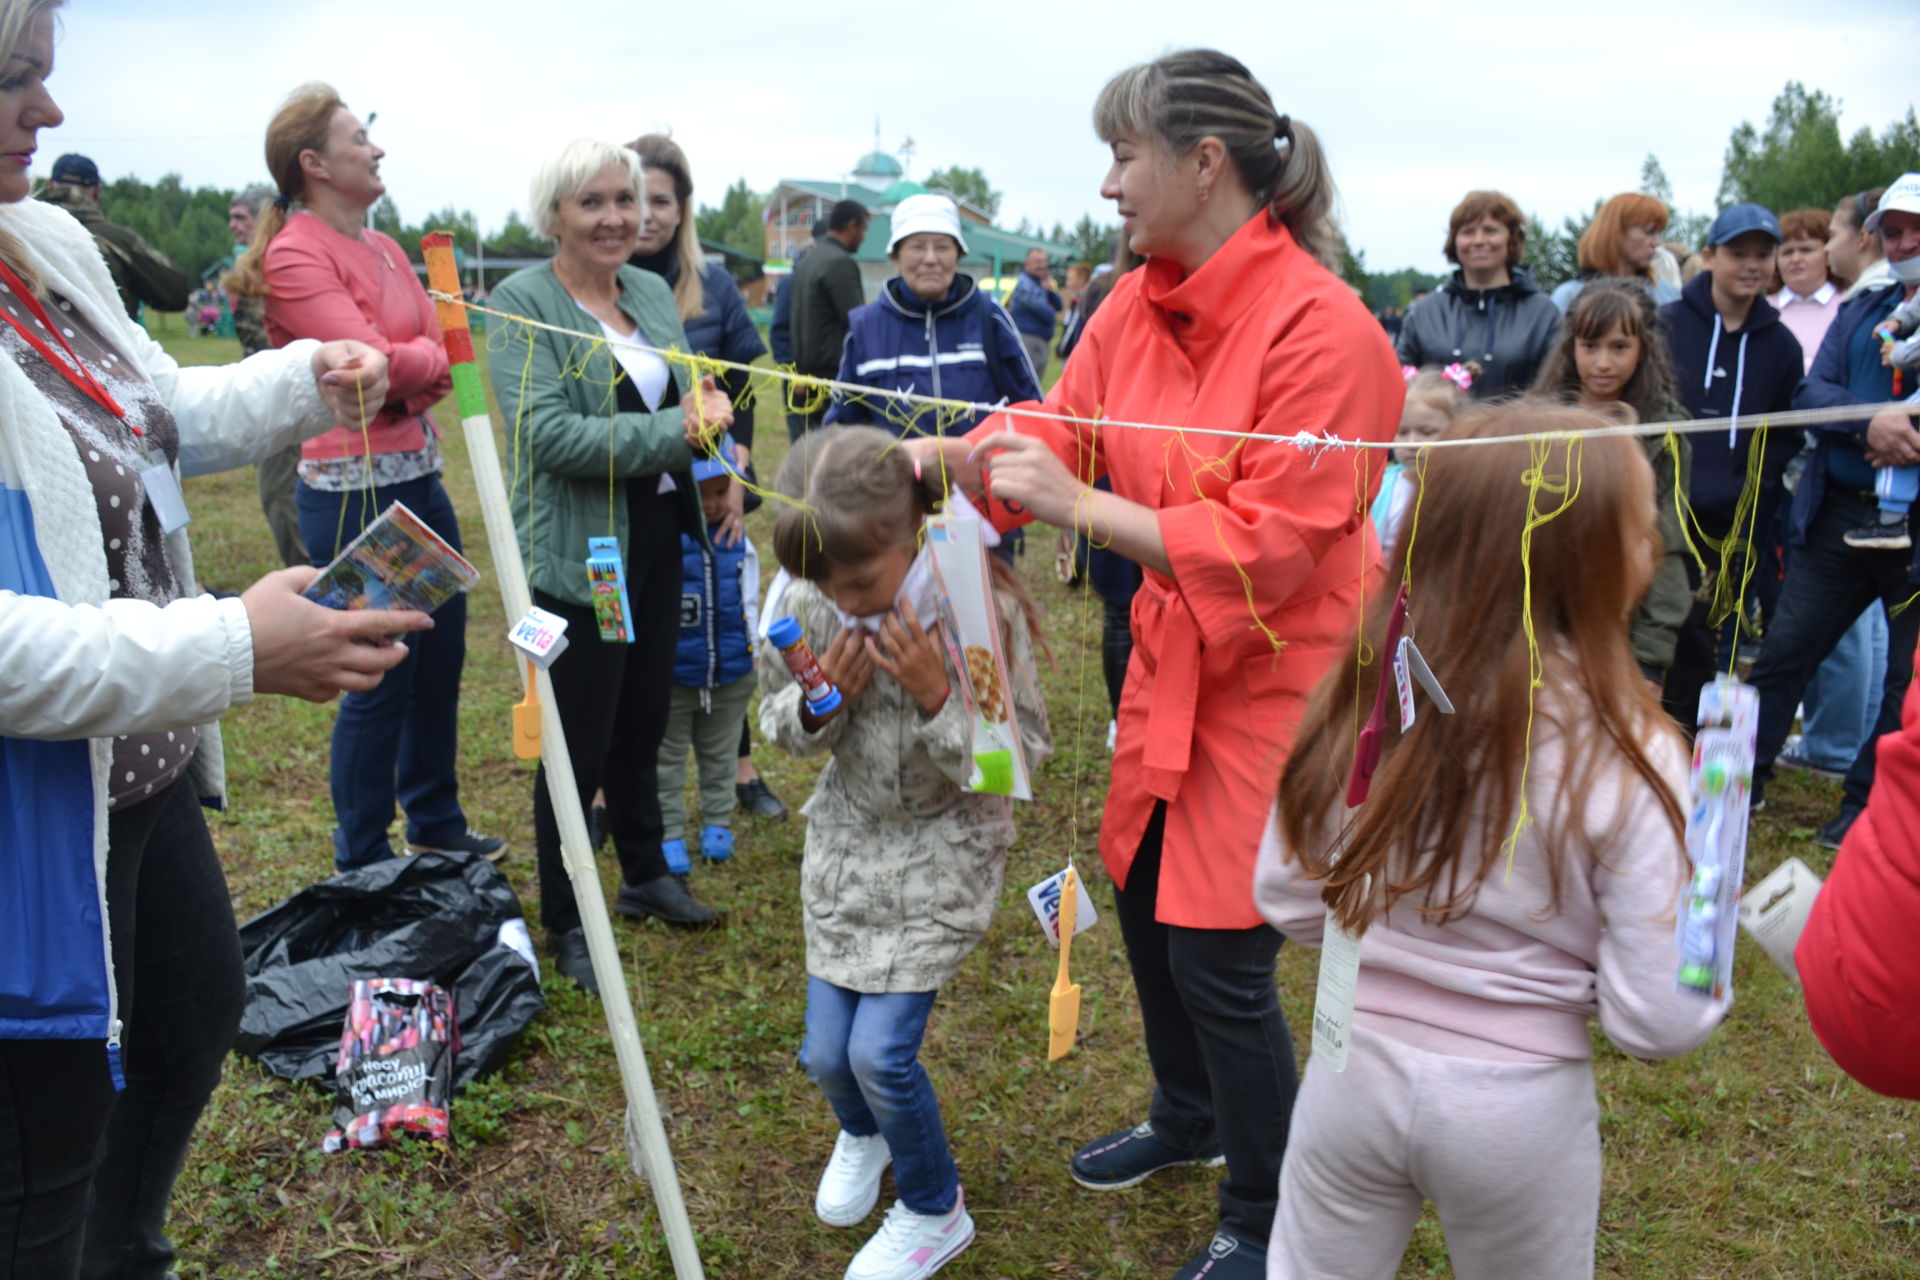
447, 918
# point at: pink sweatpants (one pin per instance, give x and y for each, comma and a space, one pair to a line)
1509, 1153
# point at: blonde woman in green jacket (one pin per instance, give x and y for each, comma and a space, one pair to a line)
602, 437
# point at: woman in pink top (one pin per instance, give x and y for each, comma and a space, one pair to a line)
1808, 296
1487, 946
324, 274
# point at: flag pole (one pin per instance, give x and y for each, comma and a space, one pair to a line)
646, 1136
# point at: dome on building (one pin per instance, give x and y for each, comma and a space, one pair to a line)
901, 190
878, 164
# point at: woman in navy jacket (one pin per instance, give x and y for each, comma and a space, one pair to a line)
931, 333
718, 326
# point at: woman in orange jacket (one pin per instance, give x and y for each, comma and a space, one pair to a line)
1857, 961
1256, 556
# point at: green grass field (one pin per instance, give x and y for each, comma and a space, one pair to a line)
1754, 1157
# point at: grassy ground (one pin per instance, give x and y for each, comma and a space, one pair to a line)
1754, 1157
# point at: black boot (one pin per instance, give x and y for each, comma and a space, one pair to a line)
571, 959
758, 799
668, 898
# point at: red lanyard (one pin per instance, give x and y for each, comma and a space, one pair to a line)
76, 372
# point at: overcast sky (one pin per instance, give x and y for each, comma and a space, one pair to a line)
1416, 102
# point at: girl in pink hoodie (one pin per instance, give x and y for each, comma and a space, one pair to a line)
1512, 873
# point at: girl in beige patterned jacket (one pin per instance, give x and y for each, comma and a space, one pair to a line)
903, 866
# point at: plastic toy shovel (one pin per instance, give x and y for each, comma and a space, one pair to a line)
1063, 1007
526, 721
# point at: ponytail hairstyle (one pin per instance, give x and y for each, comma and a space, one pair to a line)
658, 151
1852, 213
1198, 93
1437, 390
300, 125
1601, 305
15, 17
854, 493
1448, 788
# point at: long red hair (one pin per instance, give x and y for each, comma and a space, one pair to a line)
1447, 791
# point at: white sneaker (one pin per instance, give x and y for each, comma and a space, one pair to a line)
851, 1185
911, 1245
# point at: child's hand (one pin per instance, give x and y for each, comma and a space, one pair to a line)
912, 656
848, 664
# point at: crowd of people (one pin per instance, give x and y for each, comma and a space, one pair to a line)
1234, 576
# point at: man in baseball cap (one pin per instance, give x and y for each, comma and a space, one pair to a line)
141, 272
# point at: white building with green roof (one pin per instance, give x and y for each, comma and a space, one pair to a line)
879, 182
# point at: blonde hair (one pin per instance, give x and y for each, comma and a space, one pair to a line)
1434, 389
1202, 93
15, 17
658, 151
576, 165
300, 125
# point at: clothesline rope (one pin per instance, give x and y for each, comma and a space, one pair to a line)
1301, 439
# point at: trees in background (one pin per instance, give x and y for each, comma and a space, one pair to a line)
970, 185
1798, 160
189, 226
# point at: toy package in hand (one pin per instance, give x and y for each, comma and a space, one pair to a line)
972, 626
1723, 754
397, 562
394, 1076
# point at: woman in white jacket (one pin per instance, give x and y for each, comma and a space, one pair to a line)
112, 672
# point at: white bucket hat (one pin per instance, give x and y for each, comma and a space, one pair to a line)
1902, 197
926, 212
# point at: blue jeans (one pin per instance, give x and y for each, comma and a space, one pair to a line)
401, 738
1842, 701
864, 1053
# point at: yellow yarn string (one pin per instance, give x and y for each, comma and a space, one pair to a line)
519, 421
1747, 510
1690, 531
1082, 503
1566, 486
366, 467
1413, 526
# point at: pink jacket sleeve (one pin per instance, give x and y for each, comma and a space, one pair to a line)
310, 300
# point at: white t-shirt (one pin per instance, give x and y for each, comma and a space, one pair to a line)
649, 372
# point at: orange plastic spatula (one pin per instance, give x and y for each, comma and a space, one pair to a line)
1063, 1006
526, 720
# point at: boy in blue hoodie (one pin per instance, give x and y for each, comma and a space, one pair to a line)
713, 678
1732, 358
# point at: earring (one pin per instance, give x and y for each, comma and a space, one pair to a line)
1203, 194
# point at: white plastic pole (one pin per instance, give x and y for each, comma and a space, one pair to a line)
646, 1136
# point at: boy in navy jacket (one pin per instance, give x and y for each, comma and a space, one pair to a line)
713, 678
1731, 358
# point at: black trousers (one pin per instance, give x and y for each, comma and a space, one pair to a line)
1221, 1053
1705, 650
1116, 647
85, 1174
613, 700
1828, 585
